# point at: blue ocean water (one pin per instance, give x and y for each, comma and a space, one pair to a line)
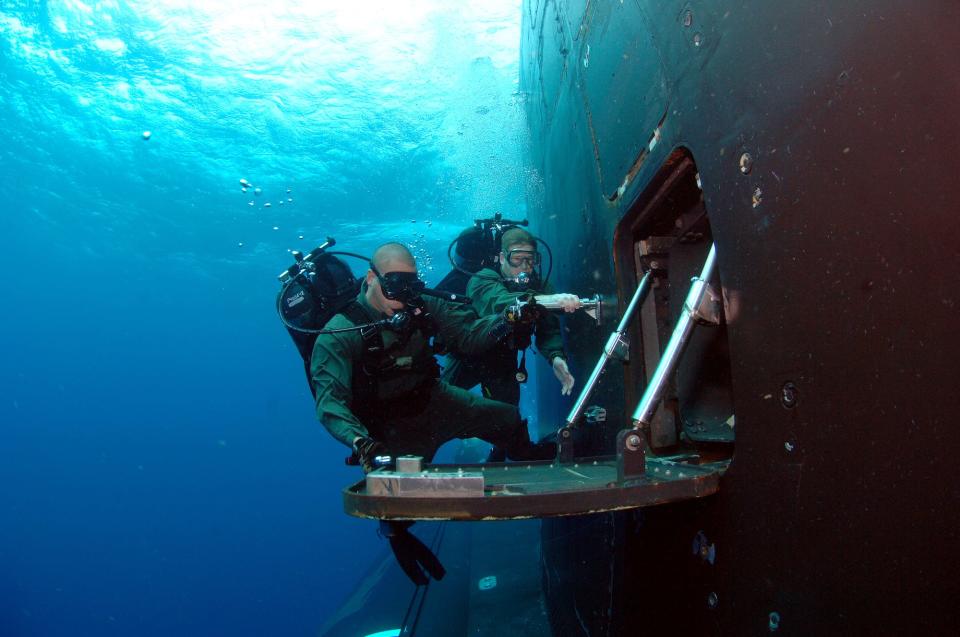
161, 470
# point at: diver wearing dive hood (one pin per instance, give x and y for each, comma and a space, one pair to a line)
494, 291
377, 390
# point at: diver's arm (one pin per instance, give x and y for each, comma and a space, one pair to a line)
548, 337
331, 371
460, 327
550, 344
489, 295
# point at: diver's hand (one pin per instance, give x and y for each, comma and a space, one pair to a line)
562, 372
366, 450
569, 302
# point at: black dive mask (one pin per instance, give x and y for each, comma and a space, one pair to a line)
400, 286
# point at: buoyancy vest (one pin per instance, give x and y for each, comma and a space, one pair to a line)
382, 364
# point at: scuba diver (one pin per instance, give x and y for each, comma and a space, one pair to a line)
512, 284
376, 381
377, 390
368, 349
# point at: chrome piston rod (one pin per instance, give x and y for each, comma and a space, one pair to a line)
692, 310
616, 342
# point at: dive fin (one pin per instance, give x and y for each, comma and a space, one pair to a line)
413, 555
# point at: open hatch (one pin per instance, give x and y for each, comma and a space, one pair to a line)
682, 428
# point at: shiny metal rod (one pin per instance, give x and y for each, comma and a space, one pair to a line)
592, 307
678, 341
615, 343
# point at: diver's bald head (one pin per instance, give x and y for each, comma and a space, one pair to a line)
394, 257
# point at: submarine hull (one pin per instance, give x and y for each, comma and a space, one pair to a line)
814, 144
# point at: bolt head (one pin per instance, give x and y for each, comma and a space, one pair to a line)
789, 395
712, 600
774, 621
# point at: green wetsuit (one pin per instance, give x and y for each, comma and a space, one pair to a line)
495, 370
401, 403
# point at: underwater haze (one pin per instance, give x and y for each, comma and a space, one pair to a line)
161, 468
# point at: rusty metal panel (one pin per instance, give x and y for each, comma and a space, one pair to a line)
528, 490
623, 87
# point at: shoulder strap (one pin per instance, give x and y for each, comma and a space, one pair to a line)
364, 379
376, 360
372, 338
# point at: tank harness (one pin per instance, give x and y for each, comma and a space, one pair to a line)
380, 364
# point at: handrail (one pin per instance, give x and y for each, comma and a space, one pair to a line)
692, 310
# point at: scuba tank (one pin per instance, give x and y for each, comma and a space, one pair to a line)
473, 249
314, 289
319, 285
478, 247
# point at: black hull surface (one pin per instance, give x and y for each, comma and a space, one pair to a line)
824, 138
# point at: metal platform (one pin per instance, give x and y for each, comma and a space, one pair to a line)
511, 491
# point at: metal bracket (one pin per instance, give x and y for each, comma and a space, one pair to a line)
618, 347
565, 447
708, 310
566, 435
631, 456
